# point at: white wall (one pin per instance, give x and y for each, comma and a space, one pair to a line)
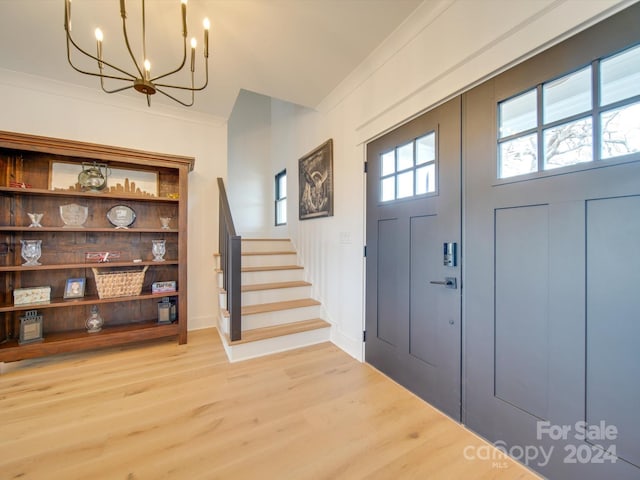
249, 182
442, 49
32, 105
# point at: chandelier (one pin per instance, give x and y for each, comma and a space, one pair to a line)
141, 80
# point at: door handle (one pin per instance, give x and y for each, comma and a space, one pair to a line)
449, 282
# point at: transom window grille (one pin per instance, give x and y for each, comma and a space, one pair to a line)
590, 115
409, 170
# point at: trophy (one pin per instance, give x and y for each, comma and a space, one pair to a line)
35, 219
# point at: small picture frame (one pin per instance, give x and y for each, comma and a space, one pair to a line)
74, 288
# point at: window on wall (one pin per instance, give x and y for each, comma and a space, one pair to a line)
281, 198
590, 115
409, 170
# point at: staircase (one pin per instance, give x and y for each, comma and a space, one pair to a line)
277, 311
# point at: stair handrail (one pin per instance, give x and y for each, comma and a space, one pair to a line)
230, 257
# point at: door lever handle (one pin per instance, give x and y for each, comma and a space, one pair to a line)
449, 282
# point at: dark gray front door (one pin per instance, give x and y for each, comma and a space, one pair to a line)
552, 260
413, 210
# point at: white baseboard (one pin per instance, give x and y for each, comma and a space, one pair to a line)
353, 347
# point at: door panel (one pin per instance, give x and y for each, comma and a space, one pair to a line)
423, 318
522, 306
389, 286
613, 319
413, 325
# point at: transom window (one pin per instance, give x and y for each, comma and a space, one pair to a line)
409, 170
589, 115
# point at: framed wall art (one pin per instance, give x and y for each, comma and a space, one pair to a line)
315, 172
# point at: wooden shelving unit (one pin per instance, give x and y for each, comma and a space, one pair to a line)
28, 160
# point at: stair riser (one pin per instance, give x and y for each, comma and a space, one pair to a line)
269, 260
271, 276
260, 348
224, 323
268, 319
267, 246
275, 295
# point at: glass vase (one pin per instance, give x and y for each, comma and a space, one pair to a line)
94, 320
31, 252
158, 249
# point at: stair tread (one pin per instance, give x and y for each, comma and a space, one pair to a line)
273, 267
281, 330
274, 285
275, 306
271, 252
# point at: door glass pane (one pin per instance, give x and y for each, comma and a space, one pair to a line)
567, 96
568, 144
388, 163
426, 149
388, 190
621, 131
405, 156
518, 114
405, 184
620, 76
519, 156
426, 179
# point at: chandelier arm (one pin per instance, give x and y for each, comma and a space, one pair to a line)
184, 60
102, 77
126, 41
184, 104
192, 88
70, 39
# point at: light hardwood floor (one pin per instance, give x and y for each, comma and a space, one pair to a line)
182, 412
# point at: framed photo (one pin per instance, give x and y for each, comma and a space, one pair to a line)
315, 174
64, 176
74, 288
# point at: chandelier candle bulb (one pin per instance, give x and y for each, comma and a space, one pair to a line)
184, 18
193, 54
67, 15
147, 69
99, 38
206, 24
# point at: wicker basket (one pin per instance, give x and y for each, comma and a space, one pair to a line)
119, 283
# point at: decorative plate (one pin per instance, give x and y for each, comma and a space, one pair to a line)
121, 216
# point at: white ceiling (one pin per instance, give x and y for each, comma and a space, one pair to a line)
294, 50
